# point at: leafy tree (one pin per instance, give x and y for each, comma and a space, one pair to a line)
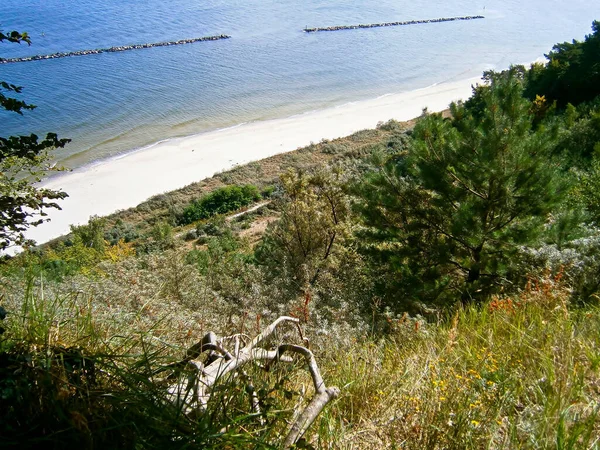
23, 161
580, 141
309, 257
448, 218
306, 240
91, 235
572, 73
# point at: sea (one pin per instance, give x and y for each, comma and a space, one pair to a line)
112, 103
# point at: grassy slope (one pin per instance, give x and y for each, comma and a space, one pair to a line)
514, 373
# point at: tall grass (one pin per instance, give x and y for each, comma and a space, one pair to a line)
519, 372
69, 377
514, 373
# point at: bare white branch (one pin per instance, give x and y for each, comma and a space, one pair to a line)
192, 392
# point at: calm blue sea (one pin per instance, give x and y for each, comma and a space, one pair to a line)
114, 102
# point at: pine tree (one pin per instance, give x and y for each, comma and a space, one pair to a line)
448, 217
572, 73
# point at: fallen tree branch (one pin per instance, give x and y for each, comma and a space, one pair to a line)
192, 392
323, 395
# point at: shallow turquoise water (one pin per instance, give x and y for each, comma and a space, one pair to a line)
114, 102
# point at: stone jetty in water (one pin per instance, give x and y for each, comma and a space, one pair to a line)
122, 48
391, 24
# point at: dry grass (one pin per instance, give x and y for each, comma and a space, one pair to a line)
257, 228
514, 373
520, 372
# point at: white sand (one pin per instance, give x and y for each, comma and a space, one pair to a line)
121, 183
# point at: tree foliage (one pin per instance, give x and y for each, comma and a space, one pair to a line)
220, 201
447, 218
23, 162
572, 73
579, 142
307, 239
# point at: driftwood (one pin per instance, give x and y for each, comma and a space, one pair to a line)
193, 392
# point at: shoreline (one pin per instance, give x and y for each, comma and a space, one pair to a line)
125, 181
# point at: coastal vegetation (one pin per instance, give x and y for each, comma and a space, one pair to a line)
571, 74
448, 217
444, 272
220, 201
23, 161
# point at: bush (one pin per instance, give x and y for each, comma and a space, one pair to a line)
335, 148
220, 201
212, 228
90, 235
391, 125
190, 235
121, 231
268, 191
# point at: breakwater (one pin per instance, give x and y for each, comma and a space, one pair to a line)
391, 24
122, 48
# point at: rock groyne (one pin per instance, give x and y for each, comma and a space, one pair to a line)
122, 48
391, 24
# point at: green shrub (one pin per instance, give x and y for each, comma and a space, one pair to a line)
121, 231
391, 125
212, 228
336, 148
90, 235
220, 201
190, 235
268, 191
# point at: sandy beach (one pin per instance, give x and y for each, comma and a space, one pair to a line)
124, 182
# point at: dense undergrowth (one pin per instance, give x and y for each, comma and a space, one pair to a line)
446, 273
515, 372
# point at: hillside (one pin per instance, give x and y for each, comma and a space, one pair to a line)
443, 272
